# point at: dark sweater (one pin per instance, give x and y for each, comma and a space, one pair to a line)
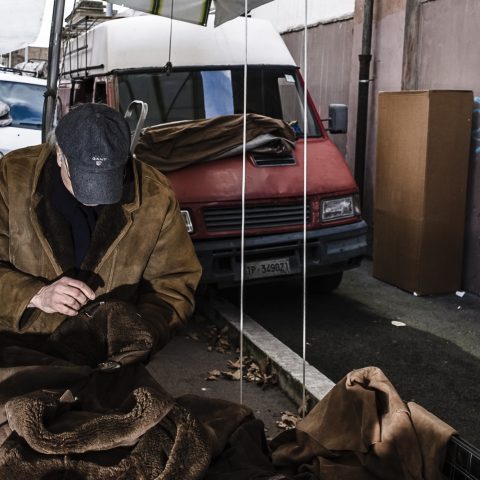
81, 218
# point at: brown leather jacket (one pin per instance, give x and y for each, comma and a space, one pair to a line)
140, 250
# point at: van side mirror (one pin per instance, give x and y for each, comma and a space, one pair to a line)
338, 118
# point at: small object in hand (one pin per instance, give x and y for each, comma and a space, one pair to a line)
108, 366
89, 310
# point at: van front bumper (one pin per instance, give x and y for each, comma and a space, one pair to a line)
329, 250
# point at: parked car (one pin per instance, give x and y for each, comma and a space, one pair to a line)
22, 99
124, 60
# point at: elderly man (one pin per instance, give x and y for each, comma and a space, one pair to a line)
83, 221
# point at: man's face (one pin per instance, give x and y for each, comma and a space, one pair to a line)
64, 172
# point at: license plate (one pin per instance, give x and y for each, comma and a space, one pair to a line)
267, 268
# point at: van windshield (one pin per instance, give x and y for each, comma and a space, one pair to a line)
199, 94
25, 101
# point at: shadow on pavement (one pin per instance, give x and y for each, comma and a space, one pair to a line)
342, 335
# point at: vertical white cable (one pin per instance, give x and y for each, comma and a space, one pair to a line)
305, 134
244, 162
170, 41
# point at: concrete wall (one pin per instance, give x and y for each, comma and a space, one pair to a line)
330, 51
449, 58
424, 44
416, 44
385, 74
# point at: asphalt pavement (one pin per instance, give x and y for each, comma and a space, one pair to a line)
184, 365
431, 351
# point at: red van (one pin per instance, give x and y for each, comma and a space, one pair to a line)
123, 60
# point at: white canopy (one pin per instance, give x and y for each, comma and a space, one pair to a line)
20, 23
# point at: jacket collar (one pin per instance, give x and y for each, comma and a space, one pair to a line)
112, 225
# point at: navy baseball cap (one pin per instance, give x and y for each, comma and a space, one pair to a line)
95, 139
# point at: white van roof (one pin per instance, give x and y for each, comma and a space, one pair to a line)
6, 76
143, 42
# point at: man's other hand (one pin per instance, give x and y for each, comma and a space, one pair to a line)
65, 296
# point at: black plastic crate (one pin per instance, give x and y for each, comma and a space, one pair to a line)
463, 461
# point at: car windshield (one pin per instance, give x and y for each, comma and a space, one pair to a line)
25, 101
199, 94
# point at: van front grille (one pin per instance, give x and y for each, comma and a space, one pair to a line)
256, 216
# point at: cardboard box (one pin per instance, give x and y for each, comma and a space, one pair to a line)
421, 187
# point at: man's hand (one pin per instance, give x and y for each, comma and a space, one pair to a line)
65, 296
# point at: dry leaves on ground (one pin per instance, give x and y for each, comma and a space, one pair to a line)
218, 340
260, 373
214, 374
232, 375
288, 420
193, 336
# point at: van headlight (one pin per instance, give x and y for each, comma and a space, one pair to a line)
342, 207
188, 220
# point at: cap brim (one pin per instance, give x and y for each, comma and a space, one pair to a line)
97, 188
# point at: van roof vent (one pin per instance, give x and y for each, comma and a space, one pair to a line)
273, 161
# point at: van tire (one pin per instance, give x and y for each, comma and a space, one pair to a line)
324, 283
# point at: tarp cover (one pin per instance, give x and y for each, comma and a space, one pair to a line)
170, 147
229, 9
193, 11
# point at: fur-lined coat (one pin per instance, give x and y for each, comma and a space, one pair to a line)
140, 250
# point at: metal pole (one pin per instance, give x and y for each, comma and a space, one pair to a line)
53, 67
363, 87
109, 11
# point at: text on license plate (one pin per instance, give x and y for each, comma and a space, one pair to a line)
267, 268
